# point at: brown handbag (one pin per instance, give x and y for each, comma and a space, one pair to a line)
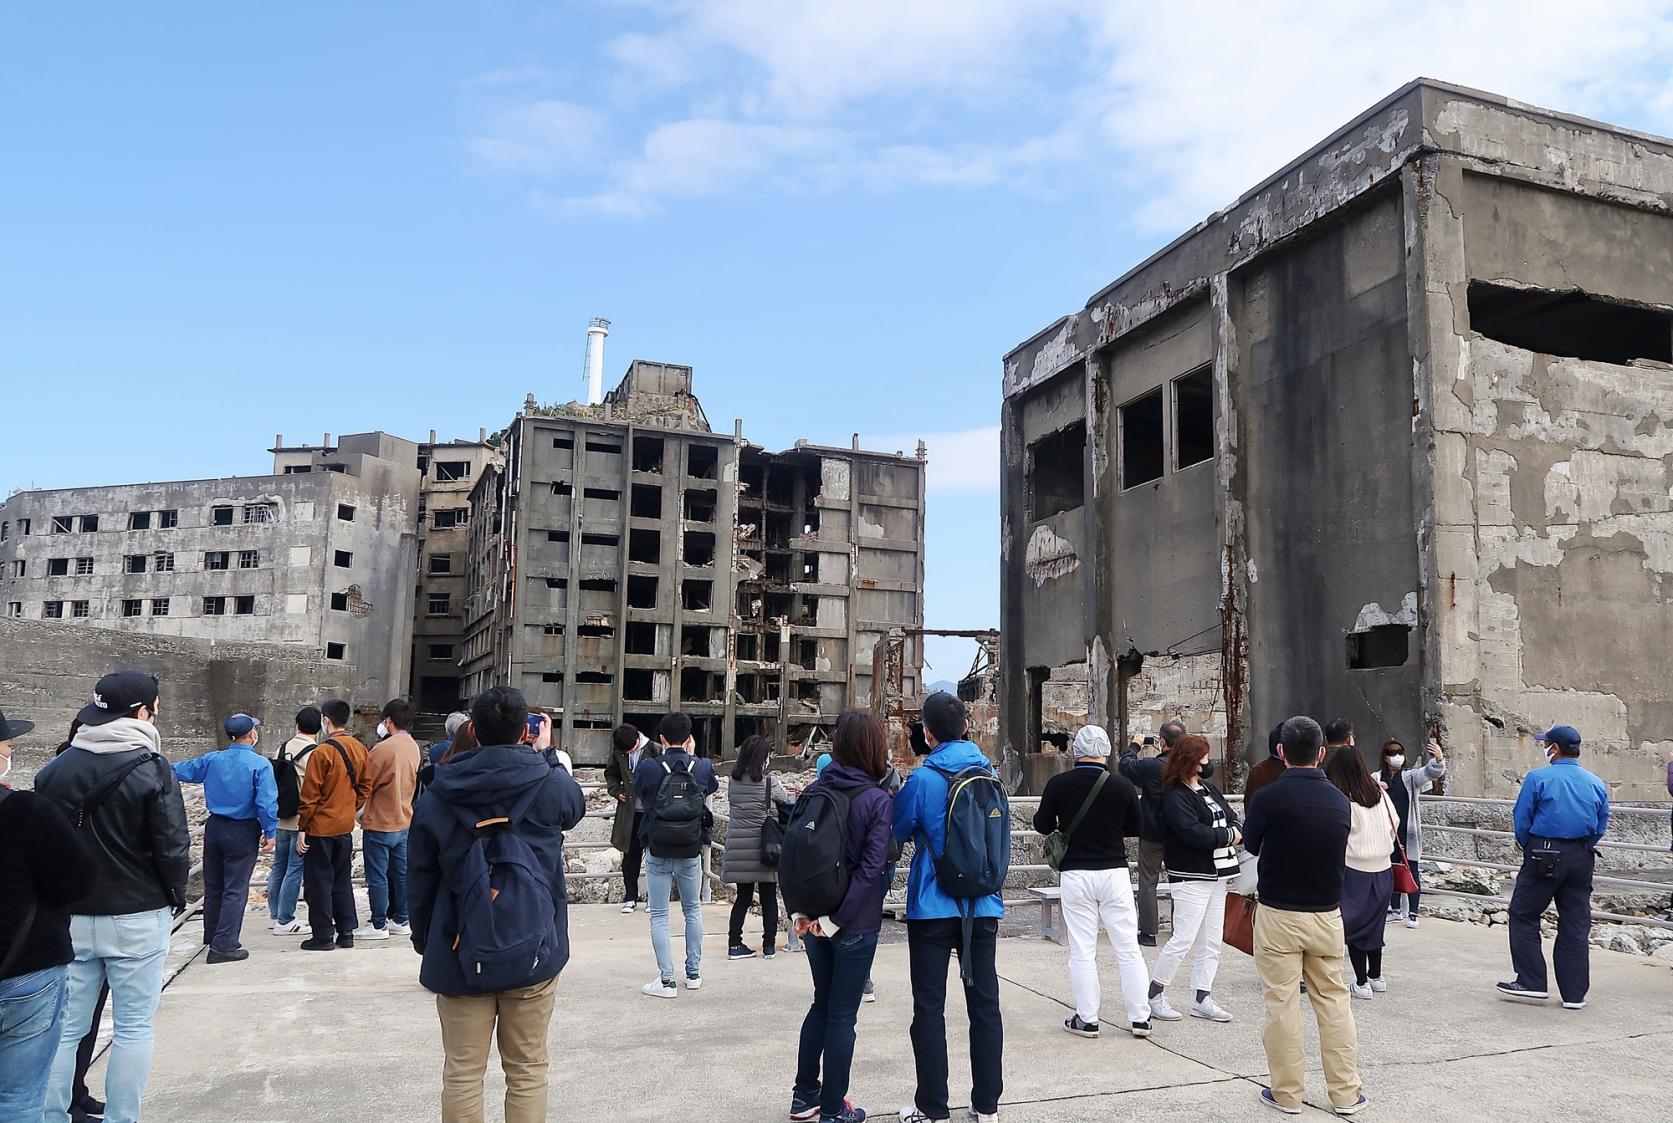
1240, 923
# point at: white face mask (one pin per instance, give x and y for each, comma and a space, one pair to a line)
1396, 761
383, 730
5, 766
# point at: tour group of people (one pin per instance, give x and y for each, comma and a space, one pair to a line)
463, 853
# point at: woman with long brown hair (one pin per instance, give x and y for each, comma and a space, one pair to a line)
1199, 841
840, 947
1369, 879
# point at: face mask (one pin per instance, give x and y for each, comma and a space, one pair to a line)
1396, 761
1207, 769
5, 766
383, 730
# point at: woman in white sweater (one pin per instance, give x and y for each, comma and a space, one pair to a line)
1369, 878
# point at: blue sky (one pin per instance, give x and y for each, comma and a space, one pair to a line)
228, 221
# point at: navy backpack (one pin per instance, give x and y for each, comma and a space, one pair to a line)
507, 924
976, 852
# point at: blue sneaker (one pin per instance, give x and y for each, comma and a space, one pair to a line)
804, 1107
1269, 1100
850, 1114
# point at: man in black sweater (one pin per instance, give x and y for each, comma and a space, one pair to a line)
1097, 809
1299, 829
1146, 775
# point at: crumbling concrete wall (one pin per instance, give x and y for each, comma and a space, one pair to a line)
49, 670
1186, 689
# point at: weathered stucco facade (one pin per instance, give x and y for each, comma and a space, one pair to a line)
1389, 438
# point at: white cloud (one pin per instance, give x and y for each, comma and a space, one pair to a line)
1188, 105
959, 461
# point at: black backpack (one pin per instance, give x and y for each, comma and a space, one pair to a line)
284, 777
813, 871
677, 815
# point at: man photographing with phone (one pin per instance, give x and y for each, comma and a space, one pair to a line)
1145, 773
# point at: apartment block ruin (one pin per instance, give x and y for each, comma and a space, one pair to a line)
1389, 438
321, 562
638, 562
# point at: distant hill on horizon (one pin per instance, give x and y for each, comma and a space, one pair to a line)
942, 684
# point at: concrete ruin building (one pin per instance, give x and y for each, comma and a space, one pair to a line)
640, 562
318, 561
1389, 438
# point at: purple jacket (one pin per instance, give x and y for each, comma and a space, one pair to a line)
870, 819
1670, 777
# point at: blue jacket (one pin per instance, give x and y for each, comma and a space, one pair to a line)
921, 810
237, 784
1562, 800
869, 820
488, 781
647, 778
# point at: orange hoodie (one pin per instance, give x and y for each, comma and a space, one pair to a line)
330, 797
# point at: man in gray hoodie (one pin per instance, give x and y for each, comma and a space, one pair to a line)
115, 785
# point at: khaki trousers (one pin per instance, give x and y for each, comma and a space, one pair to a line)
518, 1019
1290, 947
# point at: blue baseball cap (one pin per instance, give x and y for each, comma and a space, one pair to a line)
1565, 735
239, 725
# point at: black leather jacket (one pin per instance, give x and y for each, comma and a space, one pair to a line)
1145, 774
138, 834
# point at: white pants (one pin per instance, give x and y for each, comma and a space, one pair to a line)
1199, 922
1091, 897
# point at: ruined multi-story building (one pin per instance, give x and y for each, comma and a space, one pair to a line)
1390, 438
641, 562
320, 556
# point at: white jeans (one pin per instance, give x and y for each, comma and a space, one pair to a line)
1091, 897
1199, 921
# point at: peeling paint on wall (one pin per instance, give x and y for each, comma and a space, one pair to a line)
1050, 556
1374, 615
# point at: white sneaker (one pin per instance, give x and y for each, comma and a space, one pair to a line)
911, 1114
1378, 986
693, 982
659, 988
1358, 991
1411, 922
630, 906
1581, 1005
1163, 1011
368, 932
972, 1113
396, 928
1210, 1009
294, 928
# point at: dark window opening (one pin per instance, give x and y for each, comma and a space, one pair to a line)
563, 442
698, 685
551, 676
1141, 440
298, 469
647, 454
600, 540
594, 678
700, 506
647, 501
214, 606
135, 563
551, 629
697, 596
1193, 418
601, 493
441, 563
778, 569
342, 559
702, 462
1056, 472
345, 512
339, 602
80, 609
644, 546
557, 582
215, 559
1382, 646
699, 548
560, 488
557, 536
89, 523
453, 469
637, 684
441, 650
223, 516
594, 445
694, 641
1572, 324
748, 646
244, 606
595, 631
165, 520
641, 638
336, 651
63, 524
449, 519
749, 689
598, 585
132, 607
641, 592
139, 520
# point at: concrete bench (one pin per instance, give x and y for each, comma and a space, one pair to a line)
1050, 898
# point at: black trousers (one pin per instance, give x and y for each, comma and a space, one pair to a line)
229, 857
84, 1052
328, 885
769, 914
930, 945
633, 860
1554, 869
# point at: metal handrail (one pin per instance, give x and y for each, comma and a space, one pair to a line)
1482, 832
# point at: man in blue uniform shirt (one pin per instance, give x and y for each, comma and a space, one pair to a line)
243, 802
1561, 814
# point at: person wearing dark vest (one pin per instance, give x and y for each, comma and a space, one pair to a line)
43, 868
1561, 813
1096, 882
670, 864
1298, 828
243, 802
1146, 775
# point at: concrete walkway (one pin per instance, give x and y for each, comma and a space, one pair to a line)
298, 1037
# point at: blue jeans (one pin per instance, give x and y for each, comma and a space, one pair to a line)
661, 874
840, 967
386, 875
284, 884
31, 1012
128, 952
